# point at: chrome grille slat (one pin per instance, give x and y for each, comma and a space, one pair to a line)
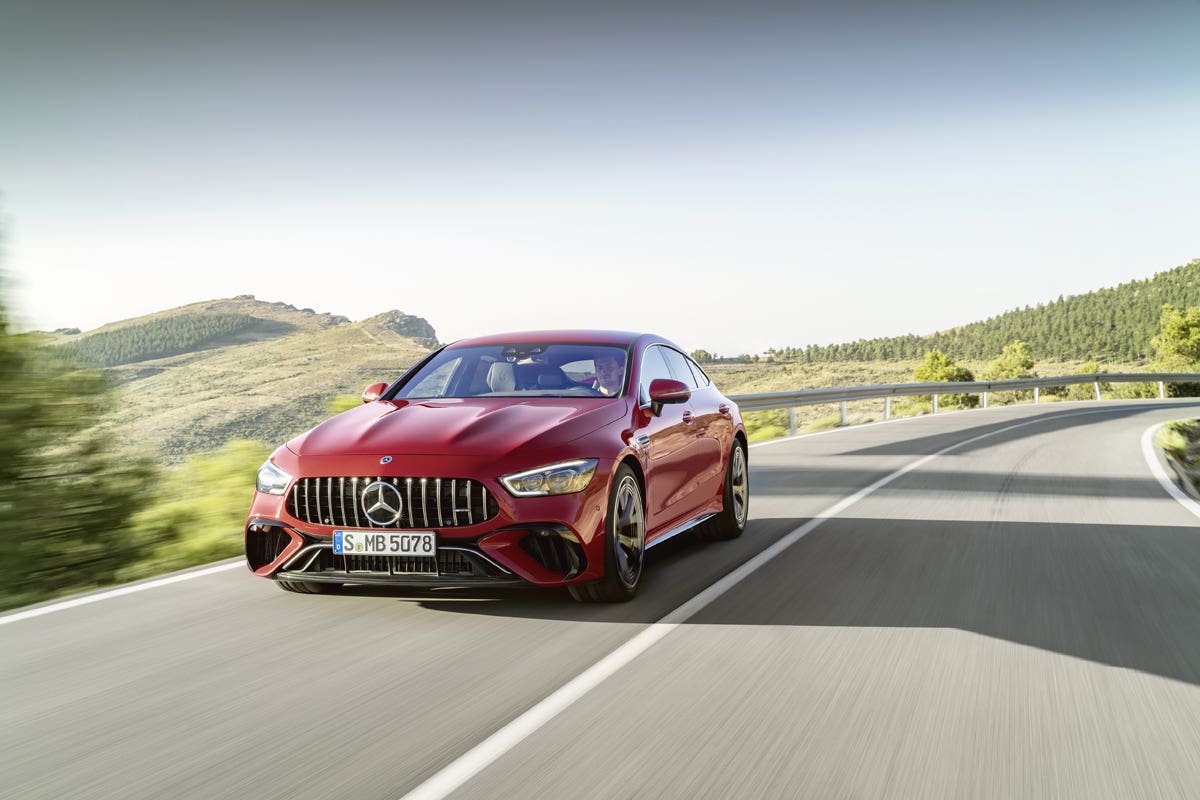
319, 501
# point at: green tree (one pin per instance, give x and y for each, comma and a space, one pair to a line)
66, 497
1177, 346
938, 368
198, 508
1087, 391
1015, 361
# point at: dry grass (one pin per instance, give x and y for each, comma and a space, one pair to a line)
270, 389
262, 390
734, 379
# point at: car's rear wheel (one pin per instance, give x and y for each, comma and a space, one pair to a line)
308, 587
624, 544
730, 523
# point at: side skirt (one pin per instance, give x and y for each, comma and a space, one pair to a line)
684, 528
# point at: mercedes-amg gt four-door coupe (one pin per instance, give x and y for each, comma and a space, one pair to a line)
552, 458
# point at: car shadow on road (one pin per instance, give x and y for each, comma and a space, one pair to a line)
1122, 595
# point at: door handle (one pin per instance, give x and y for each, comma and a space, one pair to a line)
687, 417
724, 409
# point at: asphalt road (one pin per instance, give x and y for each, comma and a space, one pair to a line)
1016, 617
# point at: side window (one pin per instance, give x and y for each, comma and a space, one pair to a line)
653, 366
679, 367
702, 378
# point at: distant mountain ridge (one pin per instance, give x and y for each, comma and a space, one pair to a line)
196, 376
1106, 326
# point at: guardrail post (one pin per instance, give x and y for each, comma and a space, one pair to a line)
1037, 390
1097, 390
935, 397
792, 421
845, 418
985, 394
887, 407
1162, 390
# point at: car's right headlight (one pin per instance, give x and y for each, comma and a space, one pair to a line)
271, 479
566, 477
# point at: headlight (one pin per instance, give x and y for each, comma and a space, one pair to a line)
566, 477
272, 480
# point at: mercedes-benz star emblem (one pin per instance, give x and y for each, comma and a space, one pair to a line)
385, 460
381, 503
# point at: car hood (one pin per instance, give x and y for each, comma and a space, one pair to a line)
471, 426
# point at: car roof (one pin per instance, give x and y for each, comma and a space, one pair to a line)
622, 338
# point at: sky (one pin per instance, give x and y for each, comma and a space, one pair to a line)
733, 176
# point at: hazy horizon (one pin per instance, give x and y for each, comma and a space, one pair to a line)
697, 345
733, 177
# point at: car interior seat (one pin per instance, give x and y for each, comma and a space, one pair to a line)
501, 377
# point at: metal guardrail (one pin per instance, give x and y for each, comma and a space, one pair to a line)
803, 397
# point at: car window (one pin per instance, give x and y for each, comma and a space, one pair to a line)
702, 378
543, 369
653, 366
680, 370
434, 383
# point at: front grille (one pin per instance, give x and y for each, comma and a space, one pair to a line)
424, 502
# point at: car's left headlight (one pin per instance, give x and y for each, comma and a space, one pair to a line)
565, 477
272, 480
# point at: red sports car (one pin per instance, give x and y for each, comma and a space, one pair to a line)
553, 458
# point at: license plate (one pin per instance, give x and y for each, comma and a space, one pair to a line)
385, 543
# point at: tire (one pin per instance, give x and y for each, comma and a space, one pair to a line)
735, 510
624, 544
308, 587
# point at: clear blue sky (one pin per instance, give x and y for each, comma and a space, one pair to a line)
732, 175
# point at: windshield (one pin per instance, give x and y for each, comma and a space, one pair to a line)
520, 369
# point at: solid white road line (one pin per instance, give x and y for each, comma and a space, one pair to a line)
471, 763
1150, 453
124, 590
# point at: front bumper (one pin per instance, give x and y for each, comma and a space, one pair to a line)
544, 541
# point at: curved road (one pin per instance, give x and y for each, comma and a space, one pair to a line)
1018, 616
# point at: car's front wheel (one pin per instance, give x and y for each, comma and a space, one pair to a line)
624, 544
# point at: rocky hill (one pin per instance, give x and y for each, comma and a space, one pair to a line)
193, 377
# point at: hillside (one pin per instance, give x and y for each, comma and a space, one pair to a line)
196, 376
1107, 326
266, 372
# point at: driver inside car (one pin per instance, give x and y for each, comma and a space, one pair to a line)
610, 369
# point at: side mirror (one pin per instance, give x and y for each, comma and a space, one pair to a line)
374, 392
665, 391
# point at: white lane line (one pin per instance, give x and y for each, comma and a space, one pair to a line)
472, 762
1150, 453
124, 590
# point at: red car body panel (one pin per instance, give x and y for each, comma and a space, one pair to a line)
681, 456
